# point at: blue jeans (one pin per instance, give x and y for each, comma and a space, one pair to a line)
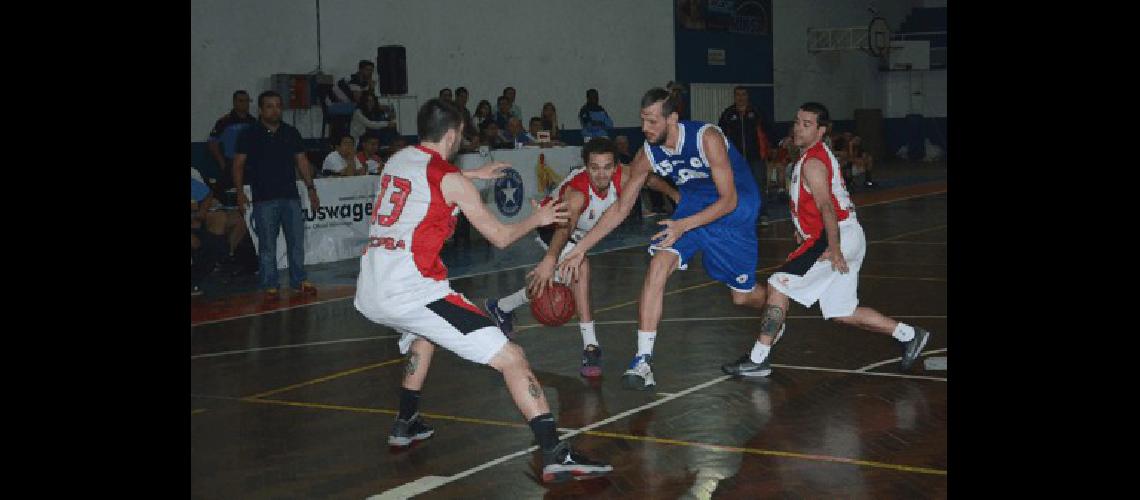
269, 217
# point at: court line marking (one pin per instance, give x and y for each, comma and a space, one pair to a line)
199, 410
291, 346
892, 360
433, 484
262, 313
758, 451
615, 322
911, 233
324, 378
857, 372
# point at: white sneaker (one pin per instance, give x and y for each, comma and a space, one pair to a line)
639, 376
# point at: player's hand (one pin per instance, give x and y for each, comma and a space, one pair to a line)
550, 213
540, 277
838, 263
672, 232
490, 171
568, 267
242, 201
314, 201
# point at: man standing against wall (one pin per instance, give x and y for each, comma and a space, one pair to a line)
741, 123
593, 117
272, 149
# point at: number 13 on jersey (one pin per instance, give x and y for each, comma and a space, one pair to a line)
390, 202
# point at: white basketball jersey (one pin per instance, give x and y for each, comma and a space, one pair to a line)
410, 220
596, 203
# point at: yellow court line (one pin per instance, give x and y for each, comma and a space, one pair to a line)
755, 451
616, 435
324, 379
861, 276
384, 411
199, 410
914, 232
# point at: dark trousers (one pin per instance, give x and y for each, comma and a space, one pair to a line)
206, 257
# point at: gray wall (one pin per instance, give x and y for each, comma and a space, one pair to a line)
845, 81
548, 50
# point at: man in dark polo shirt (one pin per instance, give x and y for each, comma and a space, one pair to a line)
270, 150
223, 139
741, 123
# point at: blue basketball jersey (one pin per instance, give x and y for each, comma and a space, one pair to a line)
729, 243
688, 168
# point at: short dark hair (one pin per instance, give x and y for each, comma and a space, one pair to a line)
535, 119
591, 91
339, 138
598, 145
501, 99
363, 63
740, 87
369, 137
505, 89
445, 89
822, 117
435, 118
658, 94
239, 92
267, 94
460, 90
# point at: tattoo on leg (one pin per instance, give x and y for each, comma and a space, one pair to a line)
532, 387
773, 318
410, 366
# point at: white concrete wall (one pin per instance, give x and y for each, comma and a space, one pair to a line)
549, 50
842, 81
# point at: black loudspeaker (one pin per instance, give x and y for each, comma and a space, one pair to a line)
392, 68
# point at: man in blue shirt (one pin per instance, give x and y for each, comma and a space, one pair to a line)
271, 150
593, 117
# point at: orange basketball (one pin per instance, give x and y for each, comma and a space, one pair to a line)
554, 306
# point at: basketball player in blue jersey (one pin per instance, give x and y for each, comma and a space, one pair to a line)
716, 215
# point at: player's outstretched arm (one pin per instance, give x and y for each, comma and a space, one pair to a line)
459, 190
543, 274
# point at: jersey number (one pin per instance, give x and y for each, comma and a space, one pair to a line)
388, 208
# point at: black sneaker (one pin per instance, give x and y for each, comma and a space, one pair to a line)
404, 432
745, 367
503, 319
563, 463
591, 361
913, 348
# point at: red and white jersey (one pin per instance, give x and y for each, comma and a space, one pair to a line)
596, 203
805, 215
410, 220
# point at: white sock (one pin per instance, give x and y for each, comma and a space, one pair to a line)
588, 337
903, 332
645, 342
513, 301
759, 352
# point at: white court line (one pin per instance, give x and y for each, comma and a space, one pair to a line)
522, 266
291, 346
718, 318
428, 483
892, 360
857, 372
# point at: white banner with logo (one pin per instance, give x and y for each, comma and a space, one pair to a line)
338, 229
509, 197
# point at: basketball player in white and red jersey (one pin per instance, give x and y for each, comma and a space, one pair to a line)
588, 192
403, 283
825, 265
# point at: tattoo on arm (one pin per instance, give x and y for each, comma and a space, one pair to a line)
773, 319
532, 387
410, 366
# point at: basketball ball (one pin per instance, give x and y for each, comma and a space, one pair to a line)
554, 306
